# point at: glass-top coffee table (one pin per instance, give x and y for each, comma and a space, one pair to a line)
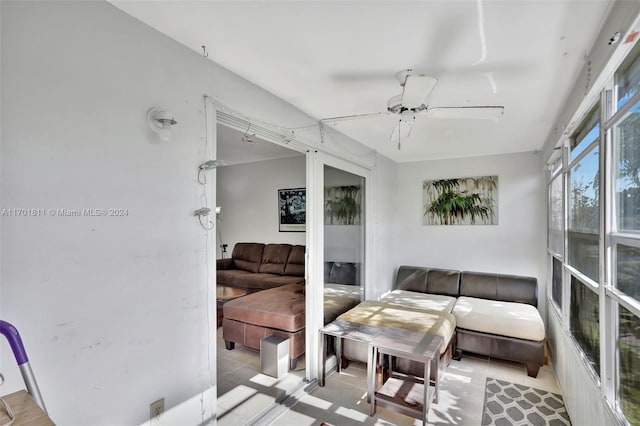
223, 295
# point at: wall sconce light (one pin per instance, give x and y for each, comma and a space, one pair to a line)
208, 165
160, 122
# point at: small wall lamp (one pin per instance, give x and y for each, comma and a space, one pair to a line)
160, 122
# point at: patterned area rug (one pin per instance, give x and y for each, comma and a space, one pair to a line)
510, 404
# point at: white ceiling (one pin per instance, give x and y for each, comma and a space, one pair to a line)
339, 58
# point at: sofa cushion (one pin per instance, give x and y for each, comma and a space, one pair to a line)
426, 280
443, 281
247, 256
274, 258
252, 281
228, 276
412, 278
344, 273
279, 308
295, 263
280, 280
509, 319
508, 288
436, 302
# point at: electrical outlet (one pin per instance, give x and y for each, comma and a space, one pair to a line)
156, 409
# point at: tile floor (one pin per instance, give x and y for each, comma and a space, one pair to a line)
243, 393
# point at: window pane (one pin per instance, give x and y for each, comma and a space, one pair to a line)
556, 282
627, 170
584, 214
628, 270
584, 311
627, 82
555, 219
584, 141
629, 353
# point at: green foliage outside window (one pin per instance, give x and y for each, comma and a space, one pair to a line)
584, 321
629, 352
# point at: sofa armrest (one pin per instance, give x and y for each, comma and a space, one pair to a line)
224, 264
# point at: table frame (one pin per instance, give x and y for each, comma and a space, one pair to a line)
411, 345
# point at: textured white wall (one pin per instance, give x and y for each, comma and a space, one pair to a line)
515, 246
113, 310
248, 195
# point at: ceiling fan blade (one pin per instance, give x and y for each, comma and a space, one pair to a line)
466, 113
416, 89
330, 120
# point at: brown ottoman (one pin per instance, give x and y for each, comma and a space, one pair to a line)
278, 311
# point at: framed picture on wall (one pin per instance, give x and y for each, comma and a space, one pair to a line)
293, 209
460, 201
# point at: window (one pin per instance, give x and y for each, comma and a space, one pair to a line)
584, 312
576, 194
629, 361
627, 80
628, 270
584, 214
627, 170
586, 135
556, 282
556, 237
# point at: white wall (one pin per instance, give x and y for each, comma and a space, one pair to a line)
385, 184
248, 195
113, 310
515, 246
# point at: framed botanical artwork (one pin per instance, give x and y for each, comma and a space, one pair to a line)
292, 209
460, 201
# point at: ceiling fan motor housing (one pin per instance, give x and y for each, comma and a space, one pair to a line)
394, 106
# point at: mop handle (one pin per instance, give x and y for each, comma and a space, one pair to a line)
12, 335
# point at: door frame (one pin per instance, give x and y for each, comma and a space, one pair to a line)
316, 160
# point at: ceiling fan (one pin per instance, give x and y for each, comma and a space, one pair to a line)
416, 87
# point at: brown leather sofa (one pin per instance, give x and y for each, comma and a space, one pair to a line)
256, 266
484, 286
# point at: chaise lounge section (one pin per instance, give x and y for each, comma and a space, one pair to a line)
497, 315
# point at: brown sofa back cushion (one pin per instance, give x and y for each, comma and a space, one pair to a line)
274, 258
247, 256
426, 280
443, 281
412, 278
295, 263
506, 288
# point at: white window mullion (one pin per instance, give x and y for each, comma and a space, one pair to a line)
608, 310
